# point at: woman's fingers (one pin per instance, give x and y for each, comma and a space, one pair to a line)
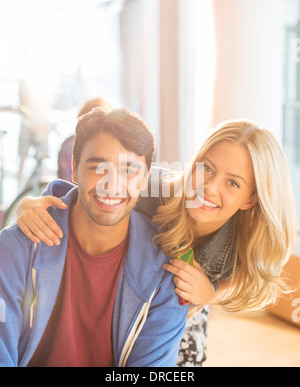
182, 285
182, 278
179, 268
27, 232
191, 282
39, 229
39, 225
50, 227
52, 201
35, 221
185, 295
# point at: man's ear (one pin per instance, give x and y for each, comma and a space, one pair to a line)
145, 179
74, 172
250, 203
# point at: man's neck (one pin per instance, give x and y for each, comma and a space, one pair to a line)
95, 239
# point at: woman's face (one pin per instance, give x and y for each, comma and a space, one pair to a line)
228, 186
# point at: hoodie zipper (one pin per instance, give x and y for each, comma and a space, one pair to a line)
135, 331
33, 275
32, 307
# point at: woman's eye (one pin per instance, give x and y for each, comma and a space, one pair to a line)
233, 184
207, 169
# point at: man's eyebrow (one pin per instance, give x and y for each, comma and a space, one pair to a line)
229, 174
99, 160
95, 159
132, 164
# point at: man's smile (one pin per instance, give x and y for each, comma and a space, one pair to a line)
109, 203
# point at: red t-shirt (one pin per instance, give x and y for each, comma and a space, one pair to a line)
79, 331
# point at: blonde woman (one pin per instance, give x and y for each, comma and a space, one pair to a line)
240, 221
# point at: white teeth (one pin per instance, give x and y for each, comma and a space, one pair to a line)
109, 202
205, 202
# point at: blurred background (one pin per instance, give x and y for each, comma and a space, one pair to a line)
183, 65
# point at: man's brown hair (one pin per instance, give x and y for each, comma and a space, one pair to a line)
126, 126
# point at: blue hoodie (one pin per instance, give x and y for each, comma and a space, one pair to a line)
148, 322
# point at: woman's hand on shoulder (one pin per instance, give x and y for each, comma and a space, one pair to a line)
35, 221
191, 283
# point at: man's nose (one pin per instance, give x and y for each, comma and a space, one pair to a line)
112, 184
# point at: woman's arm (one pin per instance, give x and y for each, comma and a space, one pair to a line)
35, 221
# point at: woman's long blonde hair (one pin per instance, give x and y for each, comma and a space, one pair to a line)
265, 233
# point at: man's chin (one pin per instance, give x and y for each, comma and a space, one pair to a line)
110, 216
106, 219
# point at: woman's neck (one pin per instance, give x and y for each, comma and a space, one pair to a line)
203, 232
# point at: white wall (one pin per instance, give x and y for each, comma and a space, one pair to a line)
196, 73
248, 77
140, 67
190, 64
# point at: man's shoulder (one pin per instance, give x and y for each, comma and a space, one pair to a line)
144, 221
15, 247
58, 188
144, 257
13, 237
142, 232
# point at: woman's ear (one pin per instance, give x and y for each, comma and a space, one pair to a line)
250, 203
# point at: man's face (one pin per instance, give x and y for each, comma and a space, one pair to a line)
109, 179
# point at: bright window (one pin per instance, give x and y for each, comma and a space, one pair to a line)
291, 107
68, 51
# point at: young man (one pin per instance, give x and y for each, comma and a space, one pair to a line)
101, 297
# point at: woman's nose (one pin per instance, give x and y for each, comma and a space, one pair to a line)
212, 186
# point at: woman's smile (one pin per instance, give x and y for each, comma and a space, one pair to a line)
204, 203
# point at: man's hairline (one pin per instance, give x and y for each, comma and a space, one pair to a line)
105, 131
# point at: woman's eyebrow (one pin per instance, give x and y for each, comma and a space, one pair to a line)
229, 174
239, 177
206, 158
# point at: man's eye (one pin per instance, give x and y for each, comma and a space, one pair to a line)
99, 168
128, 171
